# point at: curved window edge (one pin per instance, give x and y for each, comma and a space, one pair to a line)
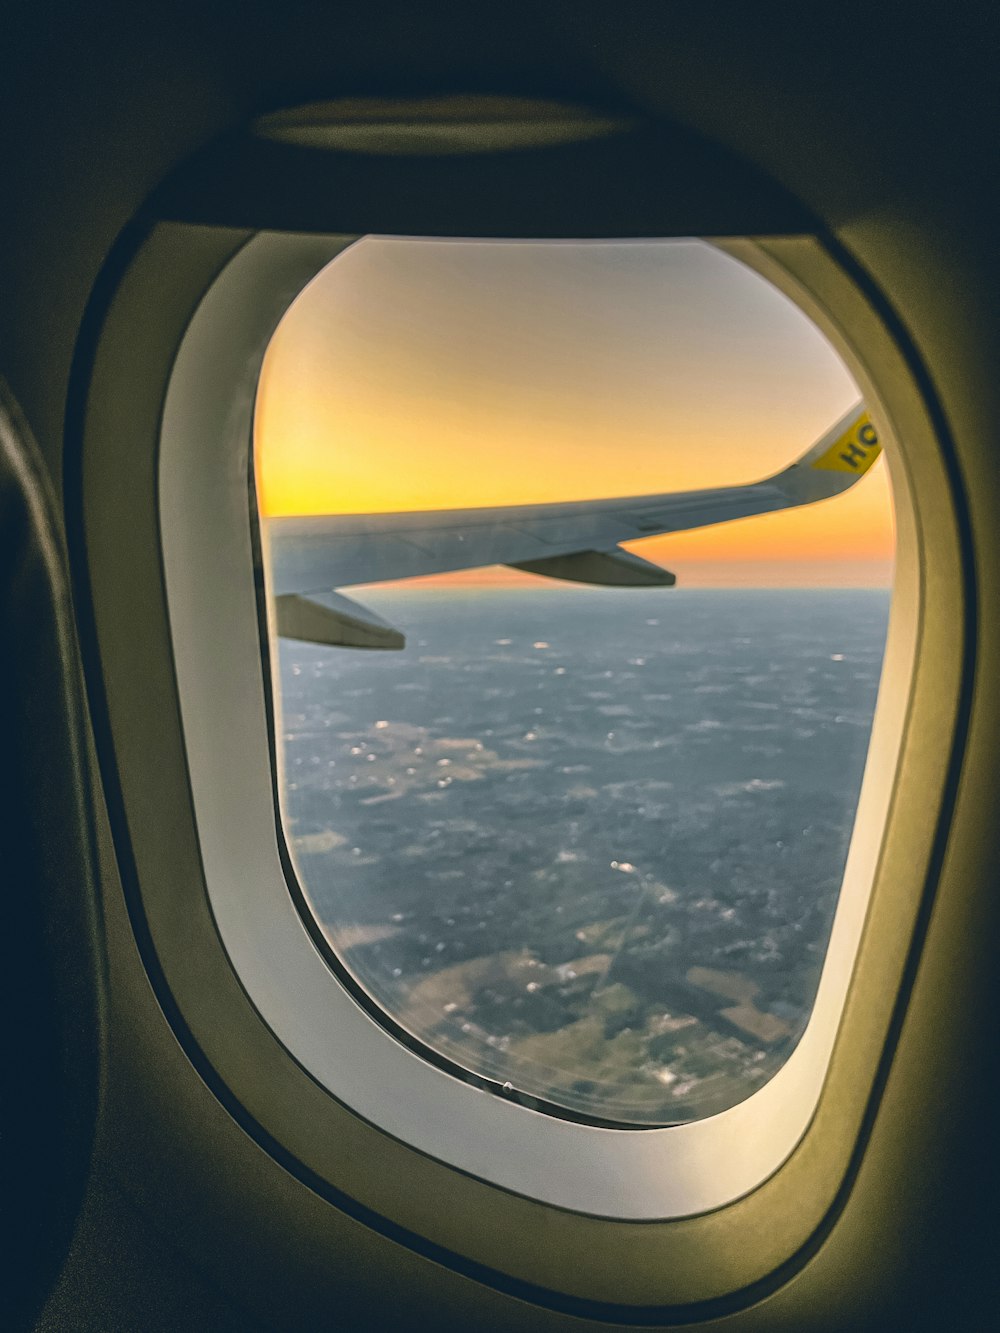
824, 1151
675, 1171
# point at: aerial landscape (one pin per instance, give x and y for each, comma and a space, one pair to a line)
586, 844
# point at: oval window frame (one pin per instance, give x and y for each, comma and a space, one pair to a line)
586, 1255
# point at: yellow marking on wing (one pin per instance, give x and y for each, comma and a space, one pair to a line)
855, 451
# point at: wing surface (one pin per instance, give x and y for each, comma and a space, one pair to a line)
576, 540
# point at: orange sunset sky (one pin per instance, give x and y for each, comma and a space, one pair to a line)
426, 374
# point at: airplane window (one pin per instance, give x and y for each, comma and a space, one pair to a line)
573, 832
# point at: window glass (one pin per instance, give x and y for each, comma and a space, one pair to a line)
571, 830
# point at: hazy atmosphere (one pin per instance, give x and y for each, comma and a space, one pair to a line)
423, 374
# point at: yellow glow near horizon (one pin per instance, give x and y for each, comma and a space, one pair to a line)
434, 375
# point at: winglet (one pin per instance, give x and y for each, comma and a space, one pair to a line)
835, 462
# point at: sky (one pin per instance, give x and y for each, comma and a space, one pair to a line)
415, 373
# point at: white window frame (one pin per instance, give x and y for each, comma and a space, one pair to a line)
623, 1174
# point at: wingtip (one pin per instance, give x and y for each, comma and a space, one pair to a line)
838, 459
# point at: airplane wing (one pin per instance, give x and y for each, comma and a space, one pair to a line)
311, 558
